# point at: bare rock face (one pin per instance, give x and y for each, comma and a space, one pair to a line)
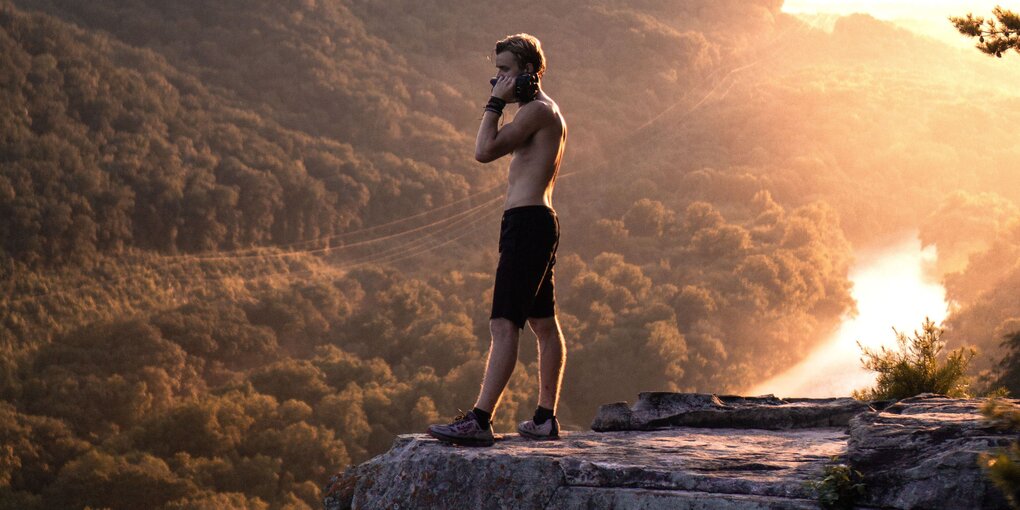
698, 451
675, 468
656, 410
922, 452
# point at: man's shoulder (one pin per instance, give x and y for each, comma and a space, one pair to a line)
544, 110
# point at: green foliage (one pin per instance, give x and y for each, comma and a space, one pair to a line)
841, 486
916, 368
35, 448
217, 501
1003, 464
206, 427
218, 332
997, 392
1007, 375
101, 480
291, 379
997, 35
1001, 413
107, 146
184, 386
108, 375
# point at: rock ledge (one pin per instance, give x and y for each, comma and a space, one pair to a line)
699, 451
656, 410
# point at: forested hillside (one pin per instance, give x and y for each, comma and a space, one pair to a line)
246, 243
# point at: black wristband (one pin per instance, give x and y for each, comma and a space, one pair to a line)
495, 105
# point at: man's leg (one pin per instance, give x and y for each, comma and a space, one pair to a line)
473, 428
502, 359
552, 357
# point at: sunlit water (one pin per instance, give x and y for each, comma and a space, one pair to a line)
891, 290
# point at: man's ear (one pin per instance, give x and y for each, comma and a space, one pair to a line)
529, 68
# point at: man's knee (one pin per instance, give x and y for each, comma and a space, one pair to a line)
503, 329
546, 328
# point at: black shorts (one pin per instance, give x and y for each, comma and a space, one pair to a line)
528, 238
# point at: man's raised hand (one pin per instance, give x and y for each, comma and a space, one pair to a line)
504, 88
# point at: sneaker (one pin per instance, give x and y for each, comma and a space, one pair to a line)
548, 430
464, 431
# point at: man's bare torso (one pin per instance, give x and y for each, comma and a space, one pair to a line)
534, 165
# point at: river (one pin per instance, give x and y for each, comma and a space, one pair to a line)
891, 290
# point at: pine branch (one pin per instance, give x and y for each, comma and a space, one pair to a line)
995, 36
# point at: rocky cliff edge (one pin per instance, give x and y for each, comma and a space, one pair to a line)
700, 451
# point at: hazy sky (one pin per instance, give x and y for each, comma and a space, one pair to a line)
927, 17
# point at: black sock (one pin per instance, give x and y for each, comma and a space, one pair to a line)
542, 415
482, 417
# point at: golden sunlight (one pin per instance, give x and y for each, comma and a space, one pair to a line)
892, 291
924, 17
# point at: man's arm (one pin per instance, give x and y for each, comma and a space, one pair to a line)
493, 143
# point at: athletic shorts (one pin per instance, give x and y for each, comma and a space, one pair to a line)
528, 238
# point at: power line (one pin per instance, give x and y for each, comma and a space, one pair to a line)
406, 249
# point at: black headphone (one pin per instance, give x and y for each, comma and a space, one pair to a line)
525, 86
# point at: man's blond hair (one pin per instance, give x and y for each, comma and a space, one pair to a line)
526, 49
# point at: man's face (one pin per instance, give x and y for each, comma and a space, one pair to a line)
506, 65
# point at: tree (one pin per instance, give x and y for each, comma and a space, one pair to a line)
1008, 374
915, 367
101, 480
291, 379
997, 36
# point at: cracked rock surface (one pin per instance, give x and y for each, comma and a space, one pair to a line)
922, 452
587, 467
916, 453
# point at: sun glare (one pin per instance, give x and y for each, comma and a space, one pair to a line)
925, 17
892, 291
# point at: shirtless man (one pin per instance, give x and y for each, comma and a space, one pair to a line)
529, 236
